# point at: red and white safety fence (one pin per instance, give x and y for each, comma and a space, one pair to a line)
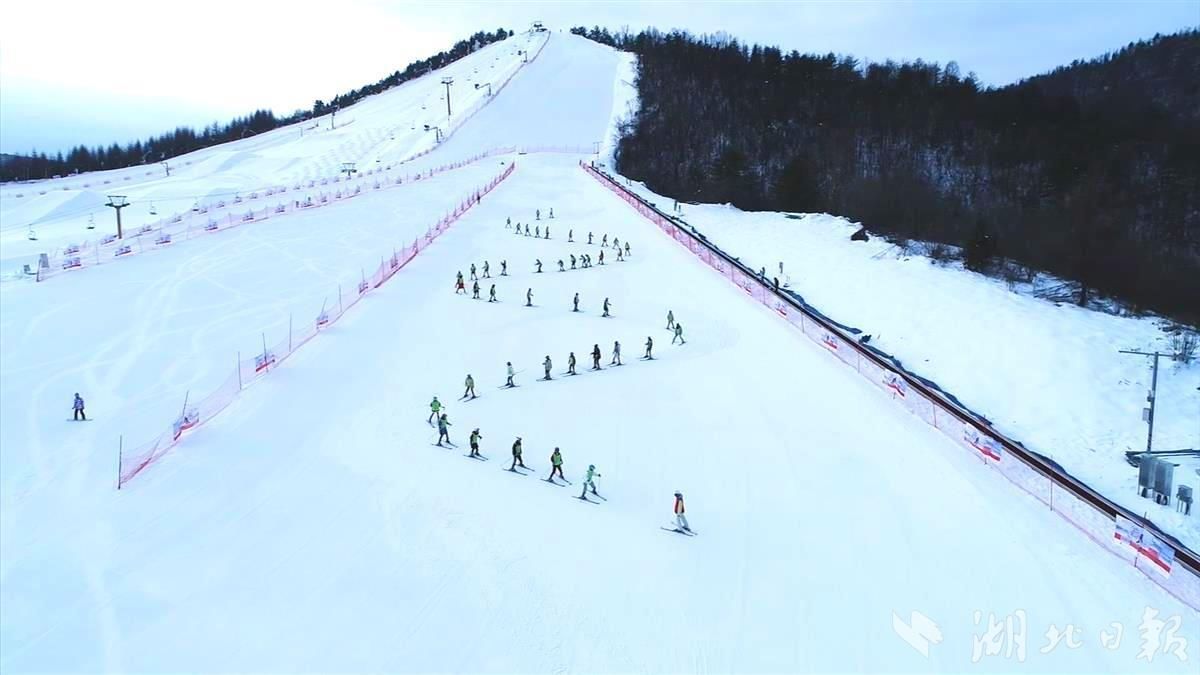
1163, 559
136, 459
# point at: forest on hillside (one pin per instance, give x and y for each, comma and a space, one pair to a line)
183, 140
1090, 172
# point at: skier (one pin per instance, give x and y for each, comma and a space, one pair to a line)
547, 232
589, 481
435, 407
601, 257
475, 290
670, 319
529, 298
596, 357
576, 309
627, 249
583, 261
517, 230
606, 308
572, 261
486, 273
776, 280
604, 242
570, 236
552, 213
444, 429
526, 229
475, 436
680, 519
620, 256
556, 462
537, 232
539, 265
77, 406
560, 265
473, 277
470, 390
649, 347
509, 383
678, 334
516, 452
458, 286
546, 365
503, 268
571, 364
589, 238
460, 278
508, 223
492, 294
616, 243
538, 214
616, 359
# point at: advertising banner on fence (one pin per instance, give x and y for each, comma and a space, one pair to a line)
1160, 556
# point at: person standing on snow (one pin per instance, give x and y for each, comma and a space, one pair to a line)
678, 334
620, 257
526, 229
589, 237
596, 357
492, 294
571, 364
509, 383
570, 236
503, 268
475, 436
475, 290
606, 308
670, 319
589, 481
537, 232
547, 232
601, 257
560, 265
539, 265
444, 429
552, 213
576, 309
537, 214
516, 453
435, 408
649, 347
529, 298
546, 365
604, 242
572, 261
508, 223
680, 519
77, 406
616, 359
473, 277
486, 273
470, 390
556, 463
626, 249
616, 243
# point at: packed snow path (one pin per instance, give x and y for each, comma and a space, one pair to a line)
315, 527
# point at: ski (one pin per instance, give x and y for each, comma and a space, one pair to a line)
478, 457
680, 531
519, 473
585, 499
554, 483
87, 420
468, 400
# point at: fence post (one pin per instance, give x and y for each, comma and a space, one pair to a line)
239, 369
340, 310
120, 451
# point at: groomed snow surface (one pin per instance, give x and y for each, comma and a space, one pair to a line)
314, 526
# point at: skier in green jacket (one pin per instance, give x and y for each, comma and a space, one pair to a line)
589, 481
516, 453
556, 462
475, 436
435, 407
444, 429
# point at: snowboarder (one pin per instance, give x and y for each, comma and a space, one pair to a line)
470, 390
606, 308
678, 334
475, 436
546, 365
570, 236
503, 268
680, 519
529, 298
616, 359
571, 364
589, 238
572, 261
560, 265
77, 406
556, 462
539, 265
670, 319
486, 270
576, 309
492, 294
473, 277
596, 357
444, 429
649, 347
589, 481
516, 453
626, 248
509, 383
435, 407
475, 290
601, 257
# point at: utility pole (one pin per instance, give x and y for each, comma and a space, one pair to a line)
118, 202
1148, 413
447, 81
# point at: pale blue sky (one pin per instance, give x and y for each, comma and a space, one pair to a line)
98, 72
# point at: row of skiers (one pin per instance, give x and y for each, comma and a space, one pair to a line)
556, 463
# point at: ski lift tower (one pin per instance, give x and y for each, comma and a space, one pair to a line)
348, 169
447, 81
118, 202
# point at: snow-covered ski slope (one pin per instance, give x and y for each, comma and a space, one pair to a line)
314, 526
380, 131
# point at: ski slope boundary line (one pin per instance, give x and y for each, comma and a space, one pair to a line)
1117, 530
132, 462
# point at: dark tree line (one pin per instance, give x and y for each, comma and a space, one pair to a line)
1090, 172
184, 139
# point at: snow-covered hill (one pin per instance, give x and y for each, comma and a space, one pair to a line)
314, 525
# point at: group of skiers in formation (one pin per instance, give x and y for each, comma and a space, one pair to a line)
438, 416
